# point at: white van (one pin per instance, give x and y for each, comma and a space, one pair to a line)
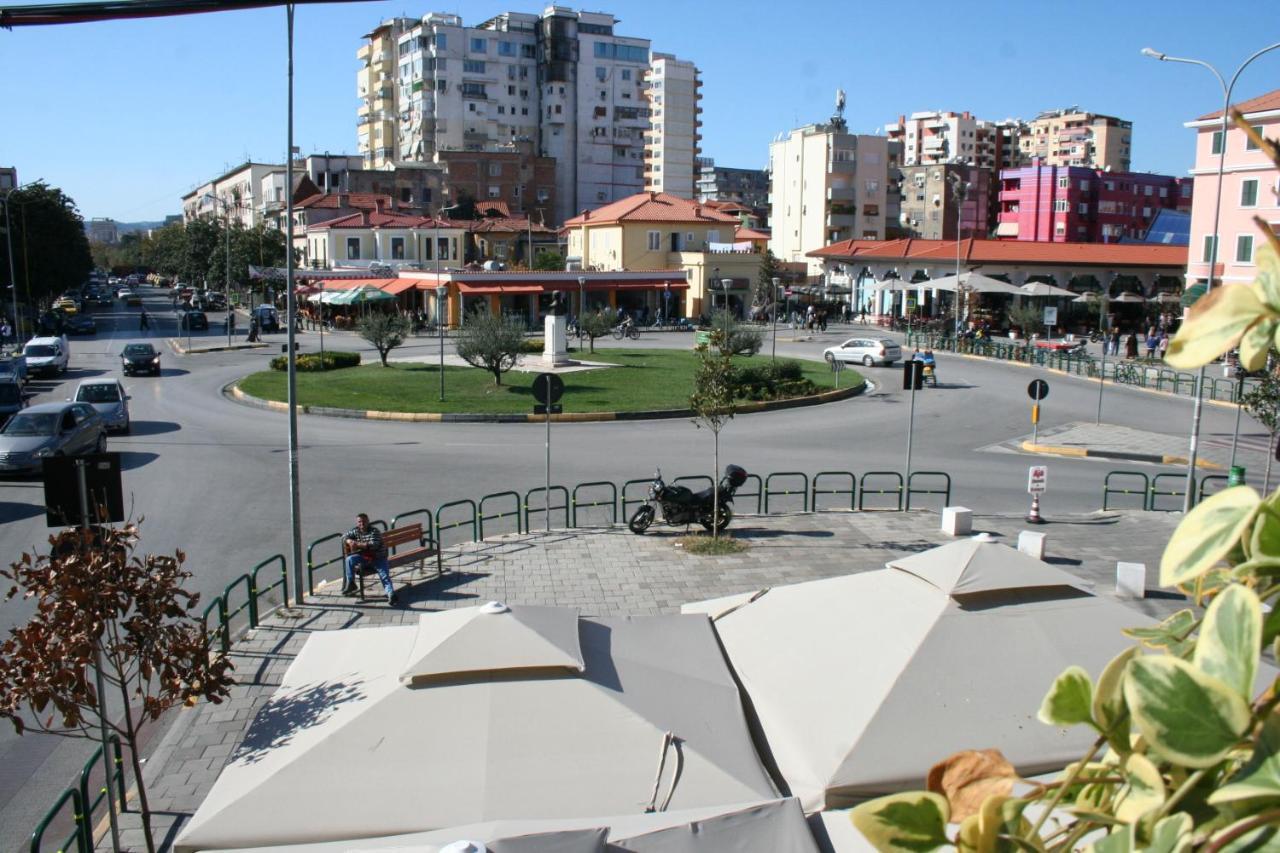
47, 355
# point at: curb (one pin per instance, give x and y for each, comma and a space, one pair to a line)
1110, 383
233, 390
1084, 452
181, 350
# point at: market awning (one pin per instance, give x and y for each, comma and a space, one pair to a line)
399, 285
356, 283
487, 289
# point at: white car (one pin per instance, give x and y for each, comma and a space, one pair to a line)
47, 355
865, 351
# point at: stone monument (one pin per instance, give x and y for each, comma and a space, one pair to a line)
555, 348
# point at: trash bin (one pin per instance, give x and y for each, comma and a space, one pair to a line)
1236, 476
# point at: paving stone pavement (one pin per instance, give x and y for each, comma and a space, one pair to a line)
608, 570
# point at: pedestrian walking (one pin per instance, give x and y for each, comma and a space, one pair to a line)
1131, 345
1114, 342
253, 329
1163, 346
5, 332
145, 321
1152, 342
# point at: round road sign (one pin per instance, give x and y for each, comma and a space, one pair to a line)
547, 388
1037, 390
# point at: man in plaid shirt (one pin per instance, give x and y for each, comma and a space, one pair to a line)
365, 544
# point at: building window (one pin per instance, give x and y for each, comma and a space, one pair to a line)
1208, 248
1147, 190
506, 48
397, 248
655, 241
1082, 208
1146, 213
713, 236
495, 169
626, 74
495, 191
473, 66
441, 41
1217, 143
873, 187
1244, 249
1249, 193
543, 193
1060, 206
601, 73
1084, 186
1249, 144
1064, 182
479, 45
353, 248
1164, 192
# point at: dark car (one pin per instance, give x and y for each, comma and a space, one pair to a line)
193, 320
49, 429
80, 324
12, 400
51, 323
140, 358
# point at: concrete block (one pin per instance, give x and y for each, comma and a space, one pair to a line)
1030, 542
1131, 580
957, 521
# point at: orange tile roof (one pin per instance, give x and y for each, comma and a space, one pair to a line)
366, 219
651, 207
337, 201
1009, 252
1262, 103
749, 234
505, 224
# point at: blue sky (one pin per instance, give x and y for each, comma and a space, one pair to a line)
128, 116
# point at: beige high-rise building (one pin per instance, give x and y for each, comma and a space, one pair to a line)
376, 117
672, 143
1073, 137
826, 185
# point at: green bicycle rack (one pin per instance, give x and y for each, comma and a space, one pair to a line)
474, 520
864, 489
82, 805
1108, 489
313, 566
694, 481
429, 533
945, 491
628, 502
758, 494
282, 584
1154, 493
224, 632
612, 503
494, 516
547, 507
803, 491
852, 491
1203, 493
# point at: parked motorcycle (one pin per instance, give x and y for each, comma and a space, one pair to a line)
681, 505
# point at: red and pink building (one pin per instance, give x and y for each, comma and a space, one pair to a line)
1075, 204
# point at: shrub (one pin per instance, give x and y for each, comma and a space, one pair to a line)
772, 381
533, 346
333, 360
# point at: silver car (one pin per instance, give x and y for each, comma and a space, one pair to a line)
49, 429
867, 351
108, 397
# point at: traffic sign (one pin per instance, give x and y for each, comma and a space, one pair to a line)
912, 375
1051, 315
547, 388
1038, 389
1037, 479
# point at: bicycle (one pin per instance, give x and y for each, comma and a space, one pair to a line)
626, 330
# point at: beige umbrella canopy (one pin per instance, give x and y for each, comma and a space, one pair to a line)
860, 683
486, 714
972, 281
1040, 288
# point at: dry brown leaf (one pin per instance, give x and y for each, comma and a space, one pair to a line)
968, 778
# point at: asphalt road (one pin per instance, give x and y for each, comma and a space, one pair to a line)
209, 475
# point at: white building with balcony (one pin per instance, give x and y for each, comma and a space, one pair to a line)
237, 193
673, 91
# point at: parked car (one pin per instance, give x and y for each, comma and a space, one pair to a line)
80, 324
268, 318
51, 323
1061, 344
14, 367
192, 319
867, 351
49, 429
66, 305
123, 293
108, 398
140, 358
12, 400
47, 355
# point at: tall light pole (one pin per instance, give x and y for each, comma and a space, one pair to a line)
582, 307
777, 285
1197, 405
1103, 323
320, 308
295, 486
442, 293
960, 191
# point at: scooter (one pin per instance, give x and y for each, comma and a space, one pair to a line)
685, 506
929, 376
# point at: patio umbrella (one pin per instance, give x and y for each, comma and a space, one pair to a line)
359, 295
1040, 288
1128, 296
975, 282
893, 285
1167, 298
486, 714
859, 684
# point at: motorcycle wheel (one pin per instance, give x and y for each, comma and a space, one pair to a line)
641, 520
725, 516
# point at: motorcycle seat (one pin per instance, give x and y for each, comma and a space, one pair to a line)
706, 494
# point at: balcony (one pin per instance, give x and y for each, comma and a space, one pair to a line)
841, 194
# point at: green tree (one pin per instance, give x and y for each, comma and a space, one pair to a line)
712, 402
1025, 316
490, 343
762, 292
50, 250
383, 331
736, 338
549, 260
597, 324
1263, 403
165, 250
97, 602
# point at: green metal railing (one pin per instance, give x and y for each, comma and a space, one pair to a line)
547, 507
758, 494
1203, 491
612, 503
83, 806
1142, 492
943, 488
1154, 492
852, 491
628, 502
792, 488
514, 512
896, 490
473, 520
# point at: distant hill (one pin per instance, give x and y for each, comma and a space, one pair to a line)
130, 227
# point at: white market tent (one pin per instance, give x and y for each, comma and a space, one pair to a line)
860, 683
973, 281
486, 714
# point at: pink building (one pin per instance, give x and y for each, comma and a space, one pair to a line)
1249, 189
1075, 204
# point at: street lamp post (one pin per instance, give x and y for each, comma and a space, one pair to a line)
1198, 404
713, 284
960, 191
1103, 323
777, 285
320, 308
442, 293
582, 306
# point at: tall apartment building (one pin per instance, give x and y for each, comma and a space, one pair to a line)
934, 137
747, 187
1072, 204
562, 78
931, 202
827, 185
1072, 137
237, 193
673, 90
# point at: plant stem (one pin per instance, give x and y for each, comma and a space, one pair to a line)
1070, 780
1190, 782
131, 737
1248, 826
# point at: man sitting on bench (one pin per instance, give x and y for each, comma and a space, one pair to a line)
365, 544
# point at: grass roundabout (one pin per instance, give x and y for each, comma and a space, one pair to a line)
642, 380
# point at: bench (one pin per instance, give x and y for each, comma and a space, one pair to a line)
395, 538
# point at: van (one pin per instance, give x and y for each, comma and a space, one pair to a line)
268, 318
47, 355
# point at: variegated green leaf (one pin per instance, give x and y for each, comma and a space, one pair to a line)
1260, 777
1268, 278
1108, 699
1144, 789
1171, 835
1215, 324
1264, 839
915, 822
1171, 631
1207, 534
1188, 717
1070, 699
1231, 639
1119, 840
1256, 343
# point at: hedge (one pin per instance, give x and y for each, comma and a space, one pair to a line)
333, 360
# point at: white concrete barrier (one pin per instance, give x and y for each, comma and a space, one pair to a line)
957, 521
1031, 543
1131, 580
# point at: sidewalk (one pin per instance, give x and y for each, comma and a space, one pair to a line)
608, 570
1111, 441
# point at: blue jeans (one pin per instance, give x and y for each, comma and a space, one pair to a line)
355, 562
